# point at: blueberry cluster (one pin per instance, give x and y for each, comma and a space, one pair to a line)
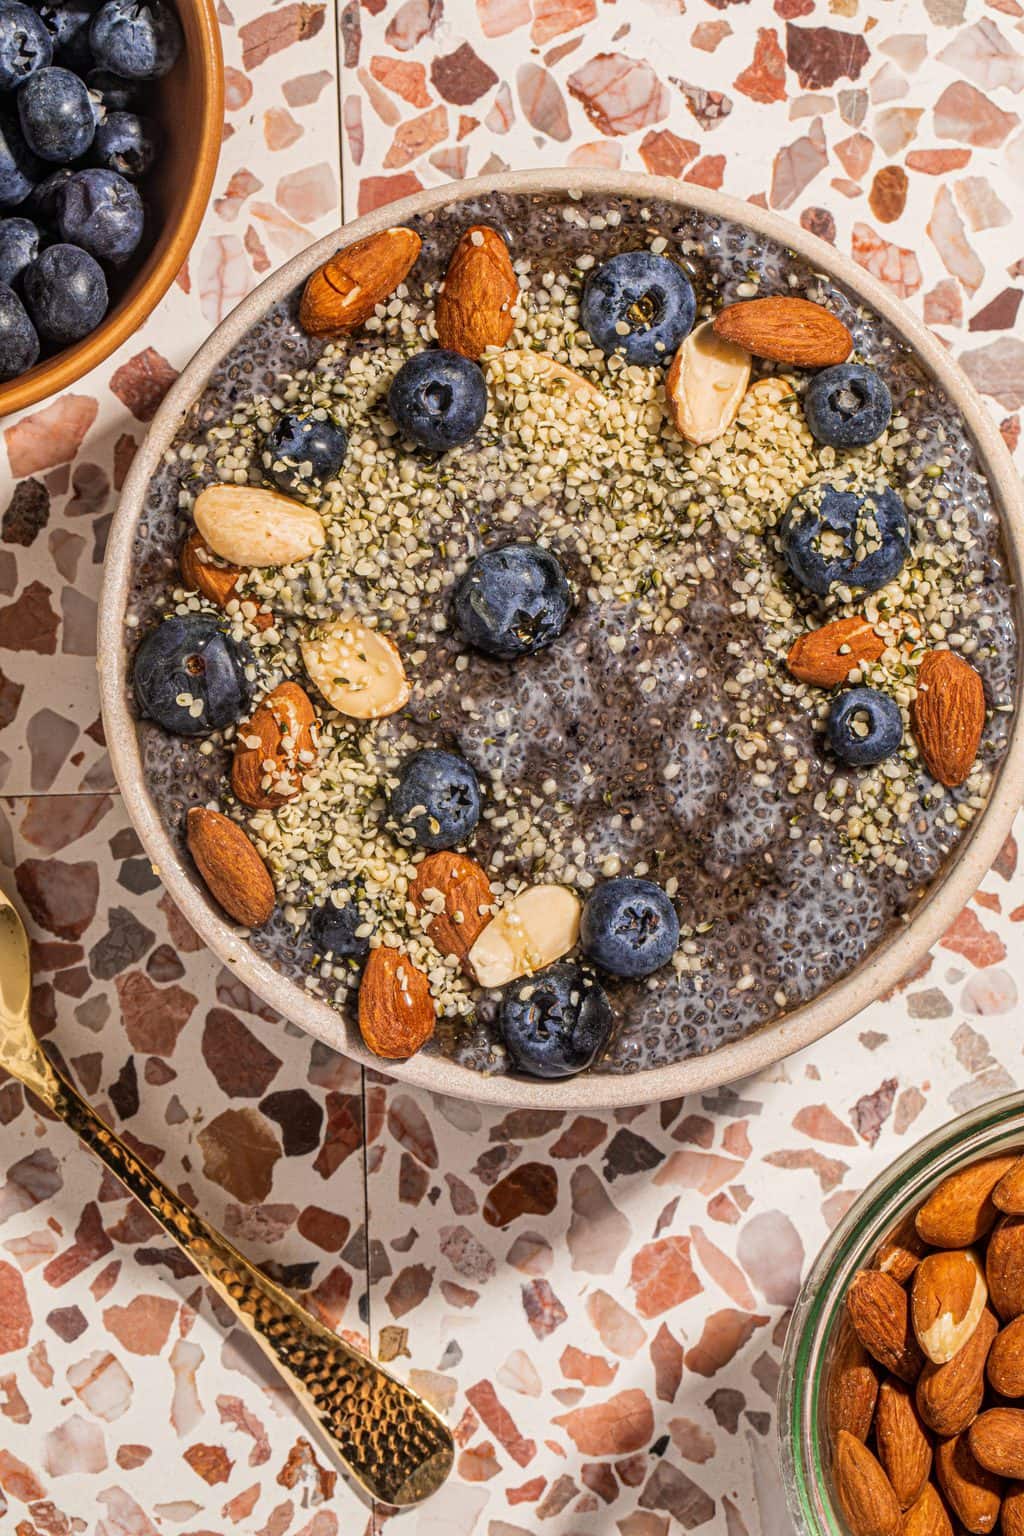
72, 147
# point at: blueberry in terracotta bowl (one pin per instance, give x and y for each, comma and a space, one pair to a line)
607, 642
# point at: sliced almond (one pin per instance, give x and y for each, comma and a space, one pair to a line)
249, 526
1004, 1267
927, 1515
787, 330
1006, 1360
275, 749
534, 929
865, 1493
474, 308
949, 1396
947, 1299
357, 669
1008, 1194
342, 294
904, 1448
396, 1011
458, 893
825, 657
233, 871
961, 1210
948, 716
878, 1310
547, 374
706, 384
972, 1491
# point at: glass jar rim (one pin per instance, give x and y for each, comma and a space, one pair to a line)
900, 1188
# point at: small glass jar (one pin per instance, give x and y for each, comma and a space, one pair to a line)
994, 1128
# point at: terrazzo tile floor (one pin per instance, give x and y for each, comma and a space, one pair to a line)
597, 1302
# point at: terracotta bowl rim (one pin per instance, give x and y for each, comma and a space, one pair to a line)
168, 254
884, 967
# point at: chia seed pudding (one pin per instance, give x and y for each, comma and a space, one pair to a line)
661, 735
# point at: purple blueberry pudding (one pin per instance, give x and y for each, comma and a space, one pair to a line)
606, 677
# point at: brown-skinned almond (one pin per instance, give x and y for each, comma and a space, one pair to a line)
927, 1515
1006, 1360
947, 1298
971, 1490
455, 889
1011, 1516
396, 1011
949, 1397
902, 1251
997, 1440
341, 295
904, 1446
879, 1311
475, 307
852, 1386
218, 583
961, 1210
948, 716
1004, 1267
825, 657
787, 330
232, 870
1008, 1194
865, 1493
284, 728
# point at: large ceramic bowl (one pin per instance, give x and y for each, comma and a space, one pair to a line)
881, 969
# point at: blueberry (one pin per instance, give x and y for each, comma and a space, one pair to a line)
556, 1022
57, 114
864, 726
629, 927
41, 202
185, 662
125, 143
331, 928
438, 399
19, 168
873, 520
640, 305
512, 601
19, 344
847, 406
436, 803
139, 39
25, 44
65, 293
19, 244
102, 213
304, 449
116, 93
69, 24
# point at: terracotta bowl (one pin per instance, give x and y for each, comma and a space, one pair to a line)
188, 105
880, 970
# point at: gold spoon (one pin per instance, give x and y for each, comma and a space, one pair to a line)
392, 1442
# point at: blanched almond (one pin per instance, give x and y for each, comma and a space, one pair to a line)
947, 1299
357, 669
534, 929
706, 384
249, 526
538, 370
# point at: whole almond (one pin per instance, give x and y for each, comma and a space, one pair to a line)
902, 1251
960, 1211
825, 657
947, 1299
1011, 1516
879, 1312
396, 1010
342, 294
218, 583
852, 1386
927, 1515
904, 1447
865, 1493
948, 716
997, 1440
706, 384
249, 526
787, 330
1008, 1194
950, 1396
474, 309
972, 1491
283, 729
458, 893
232, 870
1006, 1360
1004, 1267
